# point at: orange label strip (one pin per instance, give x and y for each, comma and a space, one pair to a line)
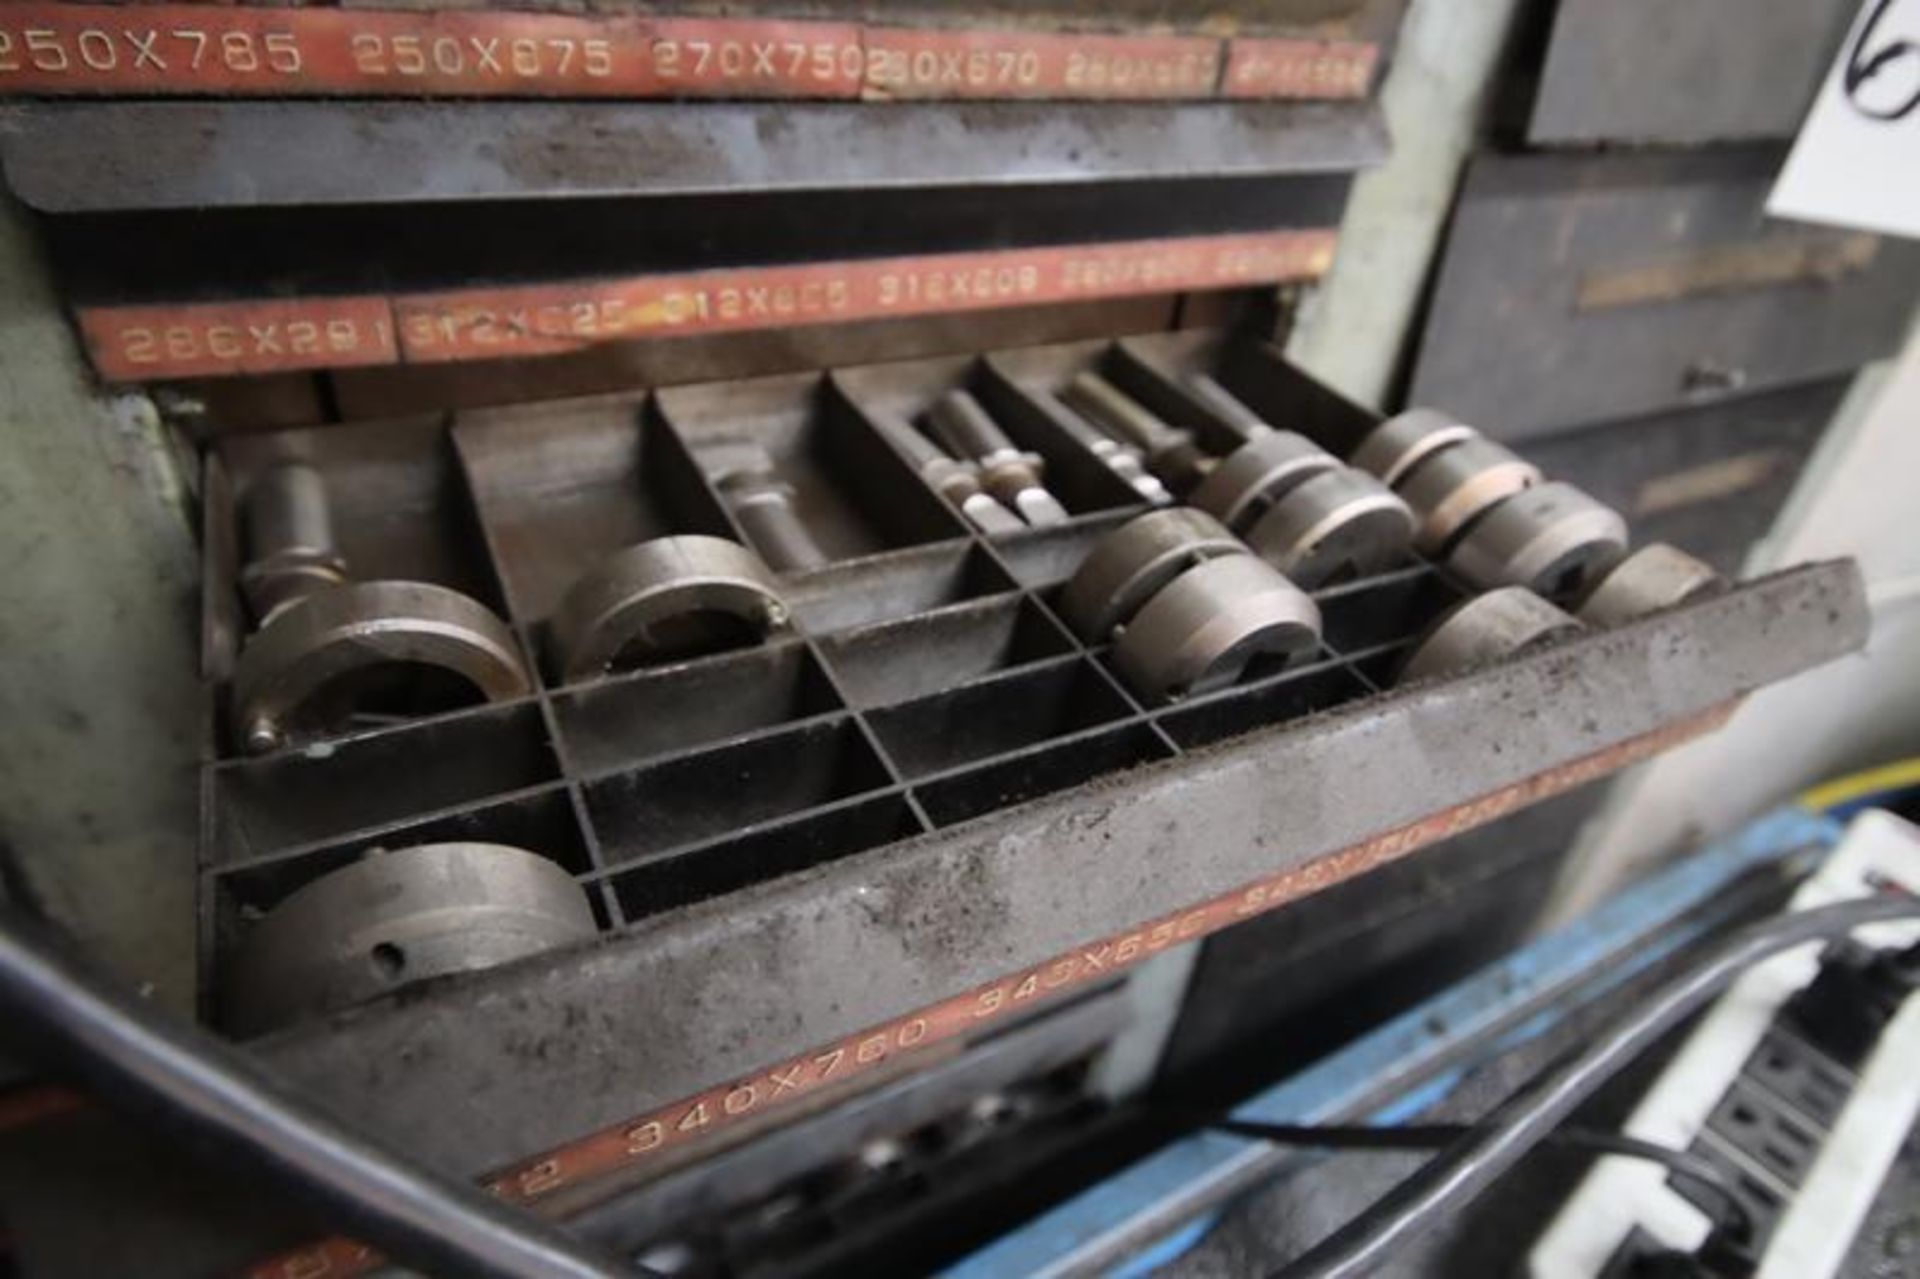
905, 63
59, 47
65, 47
212, 339
1304, 69
545, 319
644, 1137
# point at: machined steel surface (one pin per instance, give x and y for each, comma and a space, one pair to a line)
1169, 451
303, 672
1123, 460
1010, 475
1450, 488
956, 481
290, 545
1227, 408
1337, 527
763, 503
1552, 539
88, 157
1486, 628
786, 967
764, 507
399, 916
1132, 563
664, 598
1652, 578
1405, 440
1258, 473
1199, 632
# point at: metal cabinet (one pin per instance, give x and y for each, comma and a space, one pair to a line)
1644, 72
1576, 289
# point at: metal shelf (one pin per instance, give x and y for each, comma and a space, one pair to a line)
66, 158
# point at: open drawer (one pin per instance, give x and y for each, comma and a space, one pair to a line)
928, 806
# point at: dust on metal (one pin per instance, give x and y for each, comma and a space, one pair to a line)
644, 1137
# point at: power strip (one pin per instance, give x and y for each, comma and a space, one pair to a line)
1799, 1085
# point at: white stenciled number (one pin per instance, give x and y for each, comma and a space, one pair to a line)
408, 57
238, 52
46, 51
140, 346
283, 52
645, 1137
369, 54
97, 50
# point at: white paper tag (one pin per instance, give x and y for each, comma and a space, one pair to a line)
1857, 159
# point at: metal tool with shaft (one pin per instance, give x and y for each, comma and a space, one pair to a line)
1118, 456
329, 653
1009, 474
1171, 452
954, 480
763, 503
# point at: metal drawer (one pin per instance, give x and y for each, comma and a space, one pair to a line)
1682, 74
1710, 479
1580, 288
928, 812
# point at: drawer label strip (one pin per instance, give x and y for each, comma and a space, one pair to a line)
644, 1137
906, 63
134, 343
69, 47
213, 339
1298, 69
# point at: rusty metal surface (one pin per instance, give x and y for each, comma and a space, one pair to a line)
77, 157
812, 964
1682, 74
1582, 288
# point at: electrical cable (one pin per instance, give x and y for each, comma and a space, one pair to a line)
1734, 1219
1456, 1177
135, 1057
